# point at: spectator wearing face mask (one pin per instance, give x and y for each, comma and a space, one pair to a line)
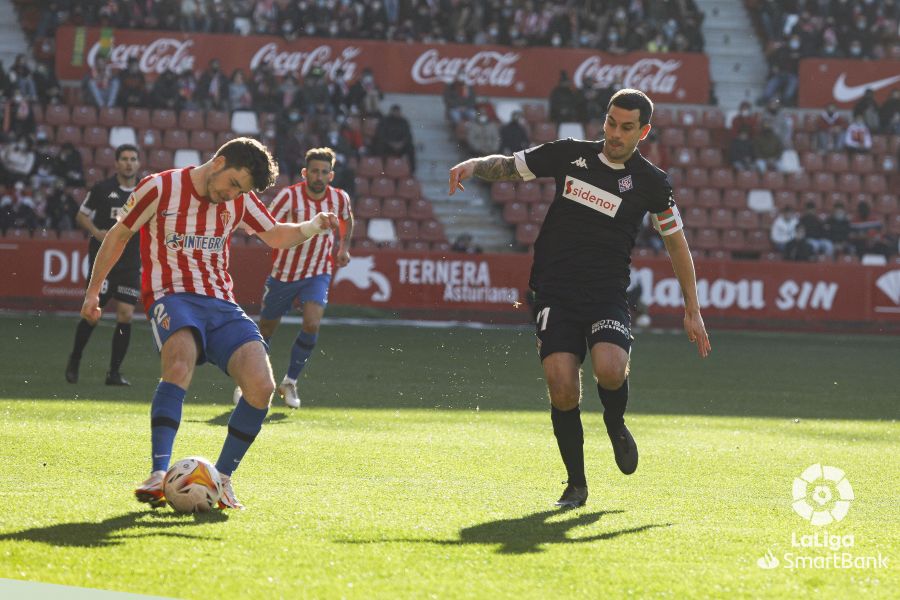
857, 137
830, 126
18, 118
483, 136
365, 95
514, 135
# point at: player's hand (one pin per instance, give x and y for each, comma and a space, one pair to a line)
343, 258
323, 223
101, 233
696, 332
90, 310
463, 170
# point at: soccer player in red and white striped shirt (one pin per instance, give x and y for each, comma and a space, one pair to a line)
303, 273
186, 218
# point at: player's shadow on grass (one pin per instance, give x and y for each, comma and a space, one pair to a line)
116, 530
273, 418
529, 534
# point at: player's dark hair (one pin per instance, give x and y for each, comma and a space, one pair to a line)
323, 154
631, 99
126, 148
247, 153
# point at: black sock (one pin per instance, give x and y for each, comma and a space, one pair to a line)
614, 402
570, 439
119, 346
82, 335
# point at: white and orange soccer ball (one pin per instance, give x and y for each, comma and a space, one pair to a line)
192, 485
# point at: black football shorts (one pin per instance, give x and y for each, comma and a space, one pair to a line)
563, 330
124, 286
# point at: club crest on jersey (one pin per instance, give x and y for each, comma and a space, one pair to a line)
225, 217
625, 184
591, 196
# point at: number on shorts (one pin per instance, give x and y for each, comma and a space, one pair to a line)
542, 318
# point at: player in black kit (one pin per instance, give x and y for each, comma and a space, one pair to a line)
581, 269
98, 213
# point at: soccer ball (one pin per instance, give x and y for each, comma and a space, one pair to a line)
192, 485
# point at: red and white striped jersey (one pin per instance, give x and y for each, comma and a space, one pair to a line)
185, 239
293, 205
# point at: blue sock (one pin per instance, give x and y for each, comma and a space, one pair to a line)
165, 417
243, 426
300, 353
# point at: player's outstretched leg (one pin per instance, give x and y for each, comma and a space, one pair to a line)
569, 434
165, 418
82, 335
301, 350
624, 446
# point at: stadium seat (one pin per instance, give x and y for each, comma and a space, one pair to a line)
420, 209
87, 156
713, 119
685, 196
885, 204
721, 218
368, 126
159, 159
709, 198
382, 187
876, 184
760, 200
407, 229
862, 164
397, 167
360, 227
541, 133
370, 166
503, 191
367, 207
697, 178
757, 240
571, 130
673, 137
417, 246
185, 158
699, 138
515, 213
811, 197
223, 136
381, 230
409, 189
722, 178
442, 247
746, 219
696, 217
797, 182
676, 176
218, 121
105, 157
746, 180
735, 199
852, 200
394, 208
68, 133
831, 198
191, 120
122, 135
733, 240
57, 114
773, 180
138, 118
111, 117
84, 116
850, 183
361, 185
93, 174
150, 138
432, 231
686, 157
837, 162
688, 117
789, 162
785, 199
244, 122
711, 158
535, 113
548, 191
879, 144
663, 117
812, 161
203, 141
528, 191
824, 182
95, 136
706, 239
538, 211
802, 141
163, 119
893, 224
526, 233
174, 139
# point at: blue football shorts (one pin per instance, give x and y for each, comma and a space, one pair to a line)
220, 327
279, 296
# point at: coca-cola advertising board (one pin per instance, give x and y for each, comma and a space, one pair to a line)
51, 275
845, 81
398, 68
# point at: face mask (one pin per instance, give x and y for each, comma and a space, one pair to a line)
795, 44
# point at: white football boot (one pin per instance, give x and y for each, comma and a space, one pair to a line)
288, 391
228, 499
151, 491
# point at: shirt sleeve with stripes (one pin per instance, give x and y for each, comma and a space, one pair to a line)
256, 216
281, 205
142, 204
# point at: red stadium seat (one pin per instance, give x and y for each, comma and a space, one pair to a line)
218, 121
367, 207
394, 208
137, 118
697, 178
885, 204
534, 113
432, 231
57, 114
175, 139
696, 217
87, 156
689, 117
673, 137
409, 189
515, 212
837, 162
93, 174
757, 240
773, 180
785, 199
811, 197
676, 176
876, 184
722, 178
417, 246
105, 157
685, 157
359, 230
407, 229
528, 191
797, 182
538, 211
382, 187
746, 219
111, 117
204, 141
421, 209
706, 239
850, 183
397, 167
361, 185
713, 119
159, 159
721, 218
747, 180
84, 116
709, 198
812, 161
733, 240
712, 158
527, 233
96, 136
191, 120
734, 199
862, 164
699, 138
223, 136
503, 191
824, 182
68, 133
548, 191
685, 196
370, 166
663, 117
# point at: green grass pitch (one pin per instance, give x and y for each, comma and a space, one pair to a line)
422, 464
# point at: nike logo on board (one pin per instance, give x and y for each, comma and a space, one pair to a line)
848, 93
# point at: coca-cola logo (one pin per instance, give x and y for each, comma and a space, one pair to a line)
303, 61
482, 68
159, 56
650, 75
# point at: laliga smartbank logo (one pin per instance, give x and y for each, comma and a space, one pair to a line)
822, 496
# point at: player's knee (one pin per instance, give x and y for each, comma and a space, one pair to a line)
259, 393
564, 395
178, 372
611, 377
311, 328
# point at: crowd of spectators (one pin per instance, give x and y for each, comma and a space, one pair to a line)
611, 25
797, 29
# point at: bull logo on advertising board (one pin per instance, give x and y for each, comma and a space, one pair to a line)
361, 273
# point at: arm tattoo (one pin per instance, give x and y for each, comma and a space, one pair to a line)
497, 168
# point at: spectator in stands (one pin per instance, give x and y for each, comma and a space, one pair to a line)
365, 95
18, 117
318, 96
857, 137
799, 249
17, 209
890, 113
69, 167
784, 228
21, 77
60, 207
49, 90
194, 16
44, 172
782, 80
459, 100
816, 233
782, 124
590, 108
239, 96
838, 227
133, 87
483, 136
393, 137
746, 119
514, 135
605, 94
292, 142
291, 91
101, 84
740, 152
464, 244
767, 148
563, 101
867, 232
165, 91
653, 150
212, 88
830, 127
187, 90
339, 92
17, 159
867, 107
